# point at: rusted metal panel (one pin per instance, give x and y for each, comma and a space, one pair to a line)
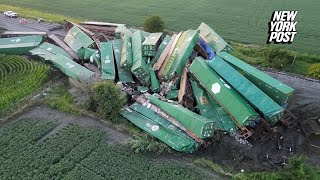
101, 29
24, 33
102, 23
64, 46
167, 66
183, 54
82, 28
95, 69
160, 50
164, 54
165, 62
201, 51
183, 86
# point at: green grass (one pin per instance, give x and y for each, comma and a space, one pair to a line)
212, 166
61, 99
35, 14
262, 56
297, 168
252, 53
19, 77
76, 153
237, 20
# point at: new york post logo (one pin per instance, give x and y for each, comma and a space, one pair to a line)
282, 27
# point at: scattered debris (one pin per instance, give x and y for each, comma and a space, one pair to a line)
311, 128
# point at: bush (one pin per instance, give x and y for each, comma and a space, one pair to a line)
146, 143
314, 70
106, 99
278, 57
153, 24
297, 168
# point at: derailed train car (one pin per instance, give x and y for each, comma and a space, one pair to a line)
197, 88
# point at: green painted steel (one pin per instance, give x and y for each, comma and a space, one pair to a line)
149, 46
19, 45
155, 86
136, 41
126, 54
183, 54
201, 126
76, 39
160, 128
140, 68
124, 75
279, 92
107, 61
179, 139
213, 39
47, 51
174, 54
72, 42
241, 112
211, 109
173, 94
269, 109
85, 53
96, 59
144, 33
46, 55
82, 37
161, 48
72, 69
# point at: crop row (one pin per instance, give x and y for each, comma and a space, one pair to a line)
75, 153
107, 161
19, 78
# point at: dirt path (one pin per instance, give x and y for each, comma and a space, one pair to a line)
44, 113
13, 24
305, 102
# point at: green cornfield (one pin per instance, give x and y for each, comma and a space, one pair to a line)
19, 77
76, 153
237, 20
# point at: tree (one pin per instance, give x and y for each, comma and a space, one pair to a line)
153, 24
314, 70
106, 99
